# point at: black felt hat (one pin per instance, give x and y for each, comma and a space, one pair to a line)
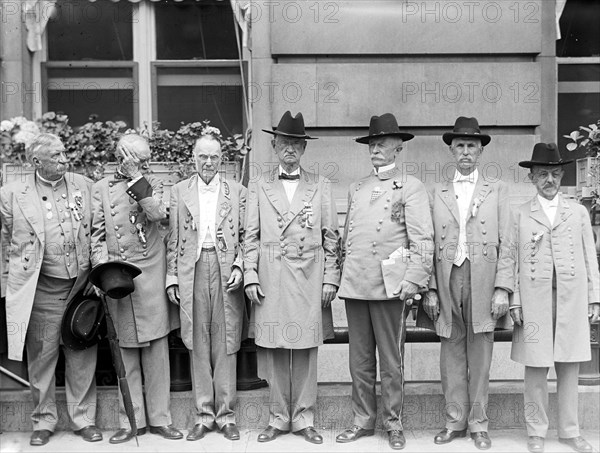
115, 278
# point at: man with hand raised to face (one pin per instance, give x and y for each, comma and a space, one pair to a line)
473, 277
126, 210
204, 277
291, 275
556, 297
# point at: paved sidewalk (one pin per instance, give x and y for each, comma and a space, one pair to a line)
512, 440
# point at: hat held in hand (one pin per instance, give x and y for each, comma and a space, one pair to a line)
115, 278
83, 323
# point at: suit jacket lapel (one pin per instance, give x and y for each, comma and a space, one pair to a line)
563, 212
538, 214
276, 194
304, 193
30, 206
448, 196
190, 199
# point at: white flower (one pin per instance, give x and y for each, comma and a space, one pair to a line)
30, 127
18, 120
210, 130
6, 125
24, 137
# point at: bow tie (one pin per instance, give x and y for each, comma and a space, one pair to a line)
289, 177
207, 188
465, 178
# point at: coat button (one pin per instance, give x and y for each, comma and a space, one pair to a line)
444, 225
300, 253
443, 237
533, 277
116, 227
485, 253
374, 244
31, 233
439, 258
385, 206
121, 249
118, 236
112, 206
25, 267
113, 213
348, 252
282, 244
533, 269
483, 232
144, 253
482, 221
441, 247
123, 257
281, 238
572, 273
350, 229
380, 221
484, 243
181, 254
302, 238
183, 239
378, 228
26, 258
283, 253
374, 252
280, 225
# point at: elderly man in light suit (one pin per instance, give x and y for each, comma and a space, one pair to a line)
204, 277
388, 213
291, 273
474, 275
558, 291
126, 209
46, 221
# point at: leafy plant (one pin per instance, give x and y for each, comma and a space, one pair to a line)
591, 144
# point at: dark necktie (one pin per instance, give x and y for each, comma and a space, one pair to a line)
289, 177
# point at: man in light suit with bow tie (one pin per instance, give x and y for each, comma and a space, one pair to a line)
556, 298
473, 277
46, 222
291, 275
204, 277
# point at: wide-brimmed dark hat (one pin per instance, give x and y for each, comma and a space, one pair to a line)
466, 127
83, 323
384, 126
545, 154
115, 278
291, 127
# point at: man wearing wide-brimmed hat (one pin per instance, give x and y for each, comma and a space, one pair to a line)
291, 275
126, 209
557, 296
474, 275
46, 217
388, 219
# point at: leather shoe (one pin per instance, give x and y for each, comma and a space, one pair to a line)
230, 431
270, 434
396, 439
90, 433
198, 432
535, 444
354, 433
124, 434
577, 444
448, 435
310, 435
482, 440
168, 432
40, 437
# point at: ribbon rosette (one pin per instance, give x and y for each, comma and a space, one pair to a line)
476, 204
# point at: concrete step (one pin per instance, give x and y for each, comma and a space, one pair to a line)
423, 407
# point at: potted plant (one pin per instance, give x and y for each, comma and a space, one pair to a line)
588, 168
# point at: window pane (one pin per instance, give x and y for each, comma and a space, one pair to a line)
84, 30
195, 30
220, 104
580, 33
574, 110
79, 105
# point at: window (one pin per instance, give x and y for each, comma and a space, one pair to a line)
578, 74
93, 75
167, 61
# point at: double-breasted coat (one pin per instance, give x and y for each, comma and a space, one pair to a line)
398, 217
567, 247
23, 237
117, 213
291, 250
182, 246
490, 238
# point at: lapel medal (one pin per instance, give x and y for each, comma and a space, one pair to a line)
376, 193
221, 240
308, 212
141, 233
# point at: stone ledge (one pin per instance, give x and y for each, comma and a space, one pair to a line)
423, 407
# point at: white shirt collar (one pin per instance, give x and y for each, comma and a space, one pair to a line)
295, 172
384, 168
213, 182
471, 178
545, 203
